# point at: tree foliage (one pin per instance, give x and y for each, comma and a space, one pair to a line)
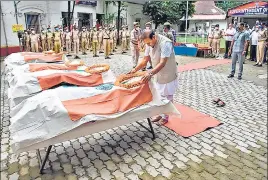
171, 11
225, 5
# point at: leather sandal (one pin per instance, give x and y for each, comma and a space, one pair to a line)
216, 100
220, 103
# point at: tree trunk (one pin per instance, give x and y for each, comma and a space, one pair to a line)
156, 25
106, 16
118, 19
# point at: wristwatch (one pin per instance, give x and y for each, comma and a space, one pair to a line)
151, 73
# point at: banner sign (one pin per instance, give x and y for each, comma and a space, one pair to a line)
252, 8
17, 27
90, 3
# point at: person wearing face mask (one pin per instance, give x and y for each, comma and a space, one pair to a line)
27, 41
167, 32
254, 43
95, 35
217, 35
43, 38
34, 41
229, 34
100, 40
134, 44
75, 40
115, 38
262, 39
148, 26
124, 39
128, 38
57, 39
238, 50
49, 39
210, 38
84, 38
106, 37
111, 40
160, 51
67, 39
91, 38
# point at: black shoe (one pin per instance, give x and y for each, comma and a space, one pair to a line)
100, 52
150, 67
68, 55
107, 57
259, 65
96, 56
256, 64
239, 77
76, 57
230, 76
111, 54
84, 53
114, 50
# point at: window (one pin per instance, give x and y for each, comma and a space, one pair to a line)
32, 21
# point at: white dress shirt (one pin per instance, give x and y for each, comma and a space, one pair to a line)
254, 38
229, 31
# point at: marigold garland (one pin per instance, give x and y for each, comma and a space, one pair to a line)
119, 81
92, 69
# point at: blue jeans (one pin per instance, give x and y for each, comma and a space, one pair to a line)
237, 56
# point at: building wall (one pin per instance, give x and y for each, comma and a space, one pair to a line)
194, 23
50, 14
132, 13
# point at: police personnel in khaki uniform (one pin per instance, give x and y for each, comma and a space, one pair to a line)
27, 41
75, 39
134, 44
115, 38
57, 40
210, 38
100, 40
68, 41
90, 39
95, 42
124, 39
84, 39
43, 38
128, 38
217, 35
49, 39
106, 37
167, 31
34, 41
262, 39
111, 40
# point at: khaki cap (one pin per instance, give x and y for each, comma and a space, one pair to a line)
167, 24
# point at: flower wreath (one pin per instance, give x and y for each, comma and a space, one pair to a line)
97, 68
79, 63
120, 81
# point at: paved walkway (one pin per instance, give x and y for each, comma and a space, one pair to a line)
235, 150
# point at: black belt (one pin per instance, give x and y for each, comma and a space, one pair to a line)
106, 38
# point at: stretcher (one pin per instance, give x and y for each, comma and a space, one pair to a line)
25, 85
60, 117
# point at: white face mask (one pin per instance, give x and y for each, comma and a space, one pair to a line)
33, 32
84, 30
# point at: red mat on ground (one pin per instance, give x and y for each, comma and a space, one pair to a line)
202, 64
191, 121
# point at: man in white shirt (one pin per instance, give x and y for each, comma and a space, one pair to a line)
229, 34
254, 43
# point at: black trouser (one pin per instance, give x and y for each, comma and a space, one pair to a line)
246, 53
253, 52
265, 54
227, 46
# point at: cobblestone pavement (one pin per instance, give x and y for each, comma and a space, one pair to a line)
235, 150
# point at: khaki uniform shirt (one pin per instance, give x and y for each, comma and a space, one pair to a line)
49, 35
217, 34
75, 35
34, 38
57, 36
95, 36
